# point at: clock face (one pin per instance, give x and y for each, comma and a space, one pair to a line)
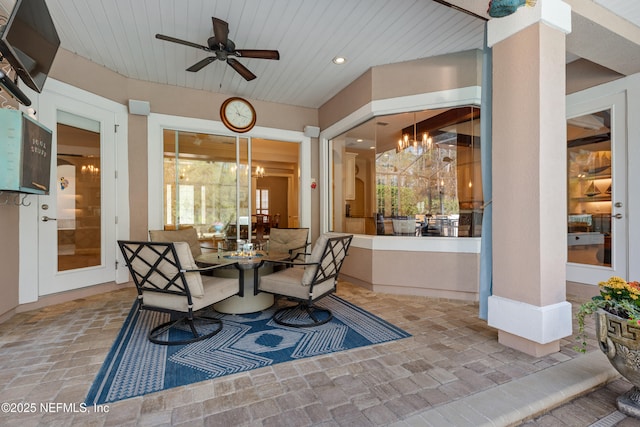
238, 114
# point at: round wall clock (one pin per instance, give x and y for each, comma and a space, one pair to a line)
238, 114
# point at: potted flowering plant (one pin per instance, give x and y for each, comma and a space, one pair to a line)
617, 313
618, 297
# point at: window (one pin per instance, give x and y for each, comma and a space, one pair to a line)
204, 171
262, 201
422, 166
210, 183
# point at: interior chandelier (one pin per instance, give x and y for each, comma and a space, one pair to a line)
90, 169
405, 142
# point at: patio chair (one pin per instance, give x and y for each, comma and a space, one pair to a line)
307, 285
168, 280
293, 241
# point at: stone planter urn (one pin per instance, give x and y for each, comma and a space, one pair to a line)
620, 341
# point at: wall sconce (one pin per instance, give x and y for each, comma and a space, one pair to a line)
259, 172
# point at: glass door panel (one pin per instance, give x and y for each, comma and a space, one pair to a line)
78, 196
589, 189
275, 184
199, 181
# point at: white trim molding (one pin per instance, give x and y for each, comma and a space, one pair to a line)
467, 245
539, 324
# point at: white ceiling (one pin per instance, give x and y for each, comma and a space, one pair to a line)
627, 9
120, 35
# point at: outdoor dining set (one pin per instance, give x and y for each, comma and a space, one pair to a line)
173, 275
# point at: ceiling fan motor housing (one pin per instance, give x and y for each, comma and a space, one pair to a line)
220, 49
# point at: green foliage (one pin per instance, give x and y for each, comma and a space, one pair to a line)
616, 297
404, 200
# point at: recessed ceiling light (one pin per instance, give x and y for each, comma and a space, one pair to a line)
359, 140
339, 60
372, 148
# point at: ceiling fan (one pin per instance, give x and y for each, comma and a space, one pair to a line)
224, 49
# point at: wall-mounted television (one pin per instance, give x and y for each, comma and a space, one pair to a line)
29, 42
25, 153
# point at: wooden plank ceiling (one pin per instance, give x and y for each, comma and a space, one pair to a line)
119, 34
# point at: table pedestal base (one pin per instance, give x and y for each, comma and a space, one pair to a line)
249, 303
246, 302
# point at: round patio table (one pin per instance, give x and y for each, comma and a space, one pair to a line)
248, 270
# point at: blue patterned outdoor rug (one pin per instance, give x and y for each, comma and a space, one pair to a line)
135, 366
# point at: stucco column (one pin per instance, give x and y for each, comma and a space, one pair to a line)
528, 305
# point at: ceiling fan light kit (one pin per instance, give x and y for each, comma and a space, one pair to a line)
223, 49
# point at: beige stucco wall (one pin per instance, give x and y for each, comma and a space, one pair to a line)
348, 100
452, 71
457, 70
164, 99
9, 239
424, 273
138, 177
583, 74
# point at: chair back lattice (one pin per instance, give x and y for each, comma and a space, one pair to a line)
328, 255
155, 267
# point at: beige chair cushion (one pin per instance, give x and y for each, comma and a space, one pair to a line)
216, 289
189, 235
283, 239
194, 279
288, 282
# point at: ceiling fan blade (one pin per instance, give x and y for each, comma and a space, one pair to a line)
220, 31
258, 53
241, 69
201, 64
184, 42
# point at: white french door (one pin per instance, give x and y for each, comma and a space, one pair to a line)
77, 220
597, 242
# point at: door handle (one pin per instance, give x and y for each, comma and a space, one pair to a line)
617, 216
46, 218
